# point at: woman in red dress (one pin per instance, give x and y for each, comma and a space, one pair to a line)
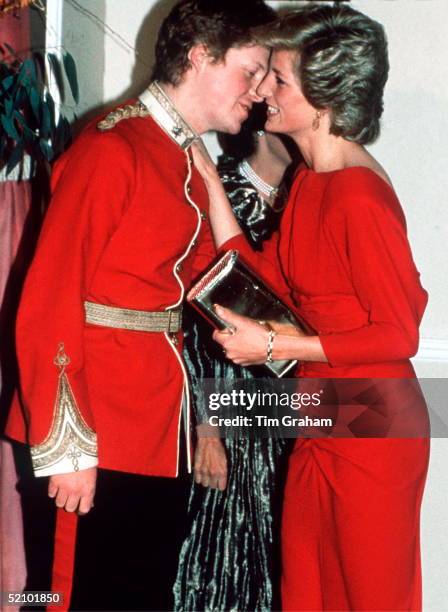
341, 258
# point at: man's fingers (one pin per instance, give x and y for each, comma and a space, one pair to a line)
218, 482
69, 490
85, 505
210, 466
72, 503
208, 479
52, 489
61, 498
222, 483
202, 478
198, 473
211, 479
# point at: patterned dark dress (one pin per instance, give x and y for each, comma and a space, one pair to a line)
230, 559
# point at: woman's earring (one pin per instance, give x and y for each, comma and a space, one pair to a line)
316, 121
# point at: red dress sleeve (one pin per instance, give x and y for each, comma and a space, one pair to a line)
205, 251
265, 263
366, 225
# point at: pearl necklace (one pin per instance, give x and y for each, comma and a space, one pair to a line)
260, 185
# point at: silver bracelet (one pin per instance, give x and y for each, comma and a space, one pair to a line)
246, 170
270, 348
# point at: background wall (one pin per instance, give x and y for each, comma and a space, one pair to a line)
114, 63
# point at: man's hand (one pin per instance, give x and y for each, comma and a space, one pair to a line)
75, 491
210, 462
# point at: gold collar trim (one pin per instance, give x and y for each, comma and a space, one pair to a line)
162, 110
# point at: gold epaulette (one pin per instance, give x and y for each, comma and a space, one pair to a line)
129, 111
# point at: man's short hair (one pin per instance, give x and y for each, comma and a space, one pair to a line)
218, 24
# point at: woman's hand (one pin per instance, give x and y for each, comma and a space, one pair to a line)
204, 163
246, 343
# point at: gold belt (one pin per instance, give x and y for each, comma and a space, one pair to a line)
169, 321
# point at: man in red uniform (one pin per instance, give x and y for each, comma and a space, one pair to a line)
102, 382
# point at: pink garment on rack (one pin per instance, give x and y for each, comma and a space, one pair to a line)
15, 199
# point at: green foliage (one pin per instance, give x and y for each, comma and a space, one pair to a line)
28, 122
70, 70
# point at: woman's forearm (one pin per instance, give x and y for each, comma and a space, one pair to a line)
222, 219
303, 348
250, 341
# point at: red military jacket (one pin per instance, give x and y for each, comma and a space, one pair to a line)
127, 227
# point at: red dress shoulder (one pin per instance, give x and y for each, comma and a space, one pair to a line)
344, 255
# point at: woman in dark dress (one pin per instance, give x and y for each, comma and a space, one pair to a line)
228, 560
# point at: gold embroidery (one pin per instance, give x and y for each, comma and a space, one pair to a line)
129, 111
181, 127
70, 437
164, 113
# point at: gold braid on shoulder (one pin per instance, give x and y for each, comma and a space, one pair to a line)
129, 111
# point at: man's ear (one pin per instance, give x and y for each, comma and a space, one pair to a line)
199, 56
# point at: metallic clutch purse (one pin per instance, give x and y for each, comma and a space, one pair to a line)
231, 283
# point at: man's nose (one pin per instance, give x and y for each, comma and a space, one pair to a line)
263, 90
255, 96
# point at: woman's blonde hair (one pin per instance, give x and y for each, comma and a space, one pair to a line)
342, 64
